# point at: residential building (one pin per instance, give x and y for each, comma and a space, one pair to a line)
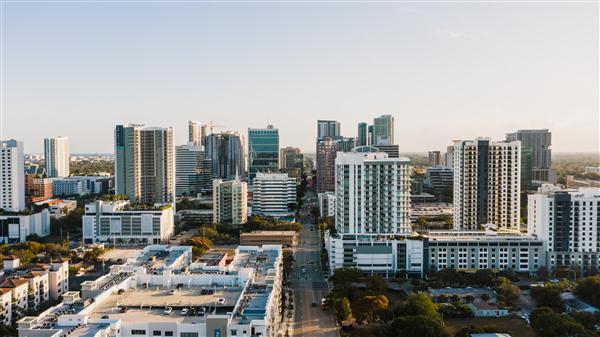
197, 133
5, 306
18, 289
123, 222
392, 150
363, 134
12, 176
326, 204
571, 182
230, 202
448, 158
487, 180
592, 170
226, 152
383, 130
568, 220
370, 139
37, 188
56, 156
328, 128
263, 151
372, 193
274, 195
435, 158
485, 309
16, 227
259, 238
81, 185
326, 152
536, 157
153, 293
67, 187
193, 171
145, 163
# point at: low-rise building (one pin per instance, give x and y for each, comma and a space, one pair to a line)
160, 292
485, 309
15, 227
58, 207
259, 238
121, 222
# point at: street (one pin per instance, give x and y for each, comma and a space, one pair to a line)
308, 282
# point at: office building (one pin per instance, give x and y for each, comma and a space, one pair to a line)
122, 222
370, 140
263, 151
95, 184
439, 178
230, 202
226, 152
12, 176
363, 134
145, 163
274, 195
329, 129
197, 133
326, 204
161, 292
392, 150
193, 171
291, 161
568, 220
487, 179
536, 157
15, 228
56, 156
372, 194
383, 130
435, 158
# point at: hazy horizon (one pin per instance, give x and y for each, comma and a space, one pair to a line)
445, 71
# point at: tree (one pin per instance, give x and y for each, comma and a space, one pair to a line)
367, 308
345, 276
469, 298
507, 291
472, 329
548, 296
343, 310
376, 284
418, 304
484, 297
422, 223
415, 326
547, 323
589, 289
484, 277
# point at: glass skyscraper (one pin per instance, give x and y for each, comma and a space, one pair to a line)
263, 151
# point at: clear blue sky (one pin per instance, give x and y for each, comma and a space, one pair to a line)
445, 71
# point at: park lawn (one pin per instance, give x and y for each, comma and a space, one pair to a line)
516, 327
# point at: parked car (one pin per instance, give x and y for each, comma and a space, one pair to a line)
185, 311
173, 291
167, 311
221, 301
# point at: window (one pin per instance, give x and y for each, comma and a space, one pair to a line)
168, 333
156, 333
189, 334
138, 332
233, 333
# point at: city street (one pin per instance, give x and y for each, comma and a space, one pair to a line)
308, 282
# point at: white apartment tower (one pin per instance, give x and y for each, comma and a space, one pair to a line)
487, 179
145, 163
230, 202
273, 194
56, 156
12, 176
372, 193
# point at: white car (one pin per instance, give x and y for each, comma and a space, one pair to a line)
221, 301
173, 291
185, 311
167, 311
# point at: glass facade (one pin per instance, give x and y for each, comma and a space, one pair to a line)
263, 151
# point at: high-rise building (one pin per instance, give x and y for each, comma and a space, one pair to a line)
274, 194
230, 202
536, 157
283, 153
56, 156
194, 132
372, 194
12, 176
328, 129
487, 179
435, 158
568, 220
145, 163
363, 134
263, 151
291, 161
326, 153
383, 130
370, 139
448, 159
226, 152
193, 171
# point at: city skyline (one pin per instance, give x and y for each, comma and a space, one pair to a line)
432, 67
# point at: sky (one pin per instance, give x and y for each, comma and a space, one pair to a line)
445, 71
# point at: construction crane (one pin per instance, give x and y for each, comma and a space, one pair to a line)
211, 125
